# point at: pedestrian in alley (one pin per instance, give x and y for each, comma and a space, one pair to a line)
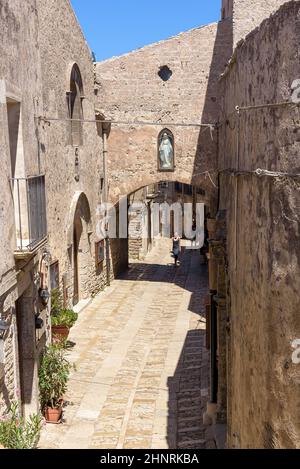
176, 248
194, 237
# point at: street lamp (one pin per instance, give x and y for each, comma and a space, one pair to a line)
44, 296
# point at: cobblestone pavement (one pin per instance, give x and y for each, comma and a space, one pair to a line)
141, 378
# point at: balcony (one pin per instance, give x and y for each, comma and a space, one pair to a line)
30, 214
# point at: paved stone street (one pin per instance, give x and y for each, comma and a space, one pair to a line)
141, 378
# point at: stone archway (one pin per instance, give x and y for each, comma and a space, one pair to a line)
79, 229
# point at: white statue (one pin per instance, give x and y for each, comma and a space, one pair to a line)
166, 152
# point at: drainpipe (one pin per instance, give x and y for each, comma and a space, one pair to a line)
213, 349
105, 153
105, 197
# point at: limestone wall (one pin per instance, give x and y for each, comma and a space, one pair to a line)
247, 15
20, 80
69, 169
263, 236
139, 232
227, 8
130, 89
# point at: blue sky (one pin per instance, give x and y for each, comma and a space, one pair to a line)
116, 27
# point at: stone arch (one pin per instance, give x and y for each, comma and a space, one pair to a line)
138, 182
78, 241
162, 211
73, 73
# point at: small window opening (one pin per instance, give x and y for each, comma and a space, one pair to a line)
165, 73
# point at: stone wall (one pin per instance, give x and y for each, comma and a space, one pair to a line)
139, 231
247, 15
227, 8
263, 235
70, 170
20, 80
135, 240
130, 89
118, 256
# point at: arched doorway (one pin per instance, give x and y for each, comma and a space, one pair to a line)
79, 239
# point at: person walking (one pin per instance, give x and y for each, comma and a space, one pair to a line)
176, 248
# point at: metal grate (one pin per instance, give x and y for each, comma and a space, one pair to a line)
30, 211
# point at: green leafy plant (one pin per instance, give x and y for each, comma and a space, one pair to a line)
56, 301
54, 373
66, 317
18, 433
61, 316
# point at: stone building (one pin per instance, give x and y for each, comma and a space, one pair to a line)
73, 150
75, 134
53, 173
160, 86
262, 238
23, 227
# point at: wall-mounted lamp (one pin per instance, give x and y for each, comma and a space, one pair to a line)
3, 328
44, 295
39, 323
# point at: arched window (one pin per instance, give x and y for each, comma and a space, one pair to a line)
75, 96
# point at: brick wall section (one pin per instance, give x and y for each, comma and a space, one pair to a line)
264, 246
129, 89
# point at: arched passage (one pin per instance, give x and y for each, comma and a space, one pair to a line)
207, 181
159, 210
79, 243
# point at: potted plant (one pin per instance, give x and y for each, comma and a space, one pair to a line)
18, 433
62, 323
62, 319
53, 378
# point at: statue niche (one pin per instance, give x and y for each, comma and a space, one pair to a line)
166, 154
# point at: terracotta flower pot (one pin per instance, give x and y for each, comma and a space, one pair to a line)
60, 332
53, 415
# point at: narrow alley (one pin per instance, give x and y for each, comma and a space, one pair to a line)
123, 130
141, 377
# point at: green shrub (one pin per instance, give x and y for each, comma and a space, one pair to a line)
18, 433
56, 301
61, 316
54, 373
66, 317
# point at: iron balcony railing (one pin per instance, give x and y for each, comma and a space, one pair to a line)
30, 211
